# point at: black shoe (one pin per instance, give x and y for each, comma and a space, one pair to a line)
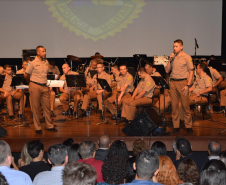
83, 114
11, 117
52, 114
189, 130
38, 131
21, 116
101, 117
114, 117
52, 129
176, 130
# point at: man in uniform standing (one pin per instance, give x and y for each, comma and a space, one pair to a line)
141, 96
97, 92
181, 65
36, 76
76, 94
124, 89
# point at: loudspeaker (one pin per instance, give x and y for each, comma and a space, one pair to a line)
3, 132
145, 123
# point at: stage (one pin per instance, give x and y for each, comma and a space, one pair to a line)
204, 131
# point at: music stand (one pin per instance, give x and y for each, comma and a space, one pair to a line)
75, 81
160, 69
18, 82
105, 86
50, 77
92, 73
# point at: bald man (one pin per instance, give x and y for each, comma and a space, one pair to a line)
104, 143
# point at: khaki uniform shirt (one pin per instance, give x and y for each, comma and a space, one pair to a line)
87, 74
1, 70
181, 66
55, 70
155, 73
105, 76
215, 74
126, 80
63, 77
148, 85
202, 83
21, 71
6, 85
38, 70
114, 80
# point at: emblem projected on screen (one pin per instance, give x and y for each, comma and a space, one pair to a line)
95, 19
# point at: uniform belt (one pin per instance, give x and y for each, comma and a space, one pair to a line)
174, 79
38, 83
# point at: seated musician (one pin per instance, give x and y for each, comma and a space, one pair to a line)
54, 69
141, 96
96, 90
74, 93
151, 70
200, 89
24, 67
8, 93
93, 66
124, 89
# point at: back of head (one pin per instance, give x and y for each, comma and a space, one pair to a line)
104, 141
159, 147
118, 148
114, 170
5, 151
79, 173
57, 154
184, 146
212, 177
214, 164
73, 153
68, 143
34, 148
214, 148
87, 149
138, 146
167, 171
147, 163
25, 155
175, 143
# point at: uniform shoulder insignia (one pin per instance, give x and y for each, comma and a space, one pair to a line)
148, 83
191, 60
110, 77
129, 78
28, 64
209, 79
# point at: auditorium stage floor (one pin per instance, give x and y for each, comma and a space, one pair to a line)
204, 131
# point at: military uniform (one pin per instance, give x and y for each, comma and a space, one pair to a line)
1, 70
127, 79
129, 106
181, 65
18, 95
155, 73
21, 71
75, 93
88, 75
39, 91
55, 70
92, 94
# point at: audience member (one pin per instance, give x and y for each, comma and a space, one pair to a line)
58, 157
188, 171
13, 177
87, 151
146, 166
214, 164
184, 151
73, 153
167, 172
25, 157
68, 143
79, 174
138, 146
3, 181
36, 150
159, 147
214, 149
223, 157
118, 148
104, 143
131, 172
114, 171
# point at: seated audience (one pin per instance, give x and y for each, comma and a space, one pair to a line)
87, 151
184, 152
68, 143
138, 146
214, 149
167, 172
159, 147
36, 150
118, 148
104, 143
3, 181
188, 171
214, 164
58, 157
73, 153
114, 171
131, 172
79, 174
223, 157
146, 166
25, 157
13, 177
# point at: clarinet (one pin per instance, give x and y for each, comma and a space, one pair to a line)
116, 104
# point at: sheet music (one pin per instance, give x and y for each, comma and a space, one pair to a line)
55, 83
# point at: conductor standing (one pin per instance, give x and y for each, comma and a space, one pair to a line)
180, 81
36, 76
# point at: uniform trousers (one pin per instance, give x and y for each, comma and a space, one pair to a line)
109, 103
223, 98
161, 101
91, 95
76, 95
176, 95
129, 106
40, 94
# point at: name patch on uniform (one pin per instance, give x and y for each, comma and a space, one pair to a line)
148, 83
191, 60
